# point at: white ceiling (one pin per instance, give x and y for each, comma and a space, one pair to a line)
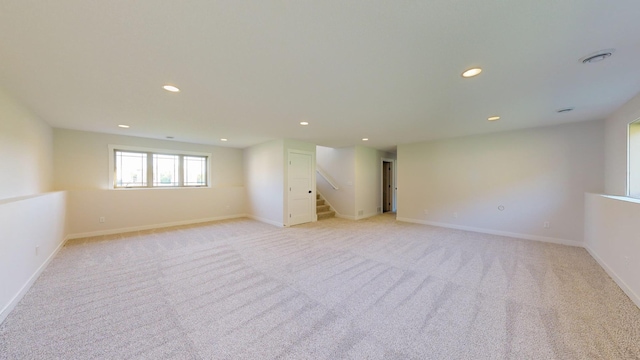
250, 71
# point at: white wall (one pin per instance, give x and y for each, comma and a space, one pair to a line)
357, 171
368, 165
27, 223
611, 231
29, 217
81, 159
264, 181
82, 167
616, 128
26, 156
339, 164
612, 237
537, 175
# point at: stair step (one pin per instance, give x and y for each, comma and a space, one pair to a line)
326, 215
322, 208
319, 202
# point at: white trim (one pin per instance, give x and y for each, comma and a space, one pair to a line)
495, 232
619, 198
365, 216
154, 226
628, 189
623, 285
25, 288
266, 221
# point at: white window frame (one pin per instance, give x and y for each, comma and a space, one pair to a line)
112, 167
632, 168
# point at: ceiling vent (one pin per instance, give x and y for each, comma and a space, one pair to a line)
597, 56
564, 110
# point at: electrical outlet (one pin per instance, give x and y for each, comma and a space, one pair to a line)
101, 219
455, 215
360, 212
37, 249
426, 212
379, 209
546, 225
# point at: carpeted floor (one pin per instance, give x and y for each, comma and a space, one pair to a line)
335, 289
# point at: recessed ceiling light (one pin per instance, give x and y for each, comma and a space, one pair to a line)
304, 123
564, 110
171, 88
365, 139
494, 118
597, 56
124, 126
471, 72
223, 139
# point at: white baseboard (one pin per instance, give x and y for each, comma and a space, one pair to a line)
25, 288
623, 285
348, 217
365, 216
154, 226
266, 221
494, 232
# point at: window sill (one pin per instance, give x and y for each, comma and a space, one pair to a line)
161, 188
622, 198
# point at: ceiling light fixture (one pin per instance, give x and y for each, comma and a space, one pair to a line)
171, 88
304, 123
494, 118
124, 126
365, 139
471, 72
597, 56
223, 139
564, 110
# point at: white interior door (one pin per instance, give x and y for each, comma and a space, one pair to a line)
301, 193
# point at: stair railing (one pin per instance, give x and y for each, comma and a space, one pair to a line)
326, 177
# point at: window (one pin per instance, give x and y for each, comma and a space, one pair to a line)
633, 183
166, 170
195, 171
152, 168
131, 169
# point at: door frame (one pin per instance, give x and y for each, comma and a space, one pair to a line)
393, 184
312, 171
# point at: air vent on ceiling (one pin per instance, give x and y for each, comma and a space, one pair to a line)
564, 110
597, 56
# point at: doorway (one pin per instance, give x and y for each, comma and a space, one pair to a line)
387, 186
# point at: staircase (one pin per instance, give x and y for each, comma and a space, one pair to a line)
322, 210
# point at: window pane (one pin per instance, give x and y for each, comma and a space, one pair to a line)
165, 170
195, 171
634, 159
131, 169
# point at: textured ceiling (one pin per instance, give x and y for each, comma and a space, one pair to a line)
250, 71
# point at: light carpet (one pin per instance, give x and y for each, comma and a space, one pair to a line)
334, 289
